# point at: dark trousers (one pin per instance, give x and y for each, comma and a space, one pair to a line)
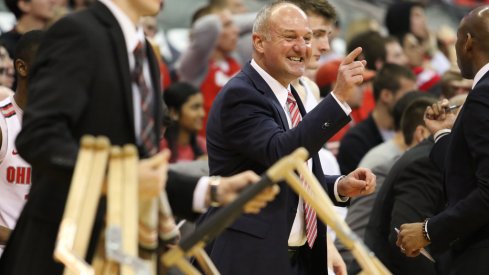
300, 259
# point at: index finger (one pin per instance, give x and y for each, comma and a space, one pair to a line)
352, 56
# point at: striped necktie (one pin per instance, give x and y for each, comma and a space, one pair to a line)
147, 135
309, 213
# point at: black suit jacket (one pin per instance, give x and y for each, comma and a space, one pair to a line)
248, 130
80, 84
411, 192
464, 157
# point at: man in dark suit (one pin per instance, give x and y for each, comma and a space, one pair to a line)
464, 157
412, 191
249, 127
81, 84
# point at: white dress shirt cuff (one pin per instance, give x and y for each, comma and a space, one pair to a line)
441, 133
198, 202
337, 196
346, 108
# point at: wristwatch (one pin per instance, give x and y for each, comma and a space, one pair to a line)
214, 184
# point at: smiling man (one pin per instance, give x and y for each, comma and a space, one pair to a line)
256, 120
95, 74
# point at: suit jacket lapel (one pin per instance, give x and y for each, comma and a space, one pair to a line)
155, 82
115, 33
263, 87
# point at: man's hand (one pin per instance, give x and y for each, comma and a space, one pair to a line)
335, 261
4, 234
359, 182
349, 76
230, 187
153, 174
438, 117
410, 239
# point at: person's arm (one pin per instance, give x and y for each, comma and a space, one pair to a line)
189, 196
192, 64
335, 261
244, 22
244, 108
470, 213
4, 235
418, 194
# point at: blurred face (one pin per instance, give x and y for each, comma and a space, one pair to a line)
192, 114
287, 52
149, 24
321, 30
138, 8
418, 23
236, 6
461, 86
39, 9
395, 54
413, 50
407, 86
229, 35
6, 69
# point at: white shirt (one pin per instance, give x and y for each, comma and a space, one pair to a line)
132, 36
297, 235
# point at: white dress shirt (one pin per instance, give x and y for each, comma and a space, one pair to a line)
134, 34
297, 235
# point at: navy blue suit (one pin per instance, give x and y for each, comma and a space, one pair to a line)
464, 157
248, 130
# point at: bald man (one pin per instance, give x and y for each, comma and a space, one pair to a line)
463, 156
251, 126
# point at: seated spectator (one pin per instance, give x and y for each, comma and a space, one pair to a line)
6, 69
380, 160
426, 78
394, 53
185, 104
207, 63
412, 191
453, 84
30, 15
15, 183
389, 85
409, 17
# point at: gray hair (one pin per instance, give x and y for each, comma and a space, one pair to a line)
262, 20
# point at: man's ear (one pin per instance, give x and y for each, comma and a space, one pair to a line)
24, 6
173, 114
468, 43
258, 41
21, 67
386, 96
421, 133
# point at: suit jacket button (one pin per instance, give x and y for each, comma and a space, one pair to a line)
326, 125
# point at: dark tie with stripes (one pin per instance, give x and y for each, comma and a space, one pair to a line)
309, 213
147, 136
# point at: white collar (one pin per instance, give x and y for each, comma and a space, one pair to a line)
132, 33
278, 89
480, 74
